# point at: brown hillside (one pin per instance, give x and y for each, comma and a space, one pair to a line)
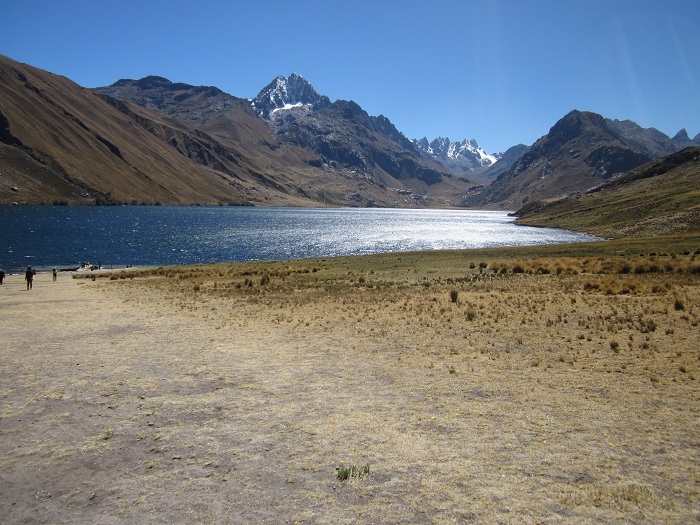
61, 142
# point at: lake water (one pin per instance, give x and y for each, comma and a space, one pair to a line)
64, 236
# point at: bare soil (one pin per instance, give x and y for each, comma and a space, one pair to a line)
551, 391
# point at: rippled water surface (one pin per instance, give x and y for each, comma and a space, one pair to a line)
160, 235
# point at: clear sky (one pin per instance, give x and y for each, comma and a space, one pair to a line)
501, 72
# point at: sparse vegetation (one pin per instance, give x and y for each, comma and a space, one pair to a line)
538, 383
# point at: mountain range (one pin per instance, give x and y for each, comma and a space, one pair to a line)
155, 141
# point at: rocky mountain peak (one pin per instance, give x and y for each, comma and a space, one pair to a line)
683, 140
149, 82
155, 86
681, 136
467, 154
581, 151
288, 93
576, 124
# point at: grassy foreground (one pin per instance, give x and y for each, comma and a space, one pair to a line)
554, 384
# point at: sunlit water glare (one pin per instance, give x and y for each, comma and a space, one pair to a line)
146, 236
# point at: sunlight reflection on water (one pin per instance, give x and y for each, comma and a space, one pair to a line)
64, 236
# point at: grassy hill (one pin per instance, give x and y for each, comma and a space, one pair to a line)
660, 197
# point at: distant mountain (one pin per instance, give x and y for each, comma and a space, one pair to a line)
194, 104
581, 151
659, 197
466, 155
469, 160
335, 135
505, 162
682, 140
649, 141
156, 141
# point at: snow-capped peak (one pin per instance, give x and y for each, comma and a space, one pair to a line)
286, 93
468, 151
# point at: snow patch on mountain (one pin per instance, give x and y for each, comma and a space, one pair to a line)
288, 107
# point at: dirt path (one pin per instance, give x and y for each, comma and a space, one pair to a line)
121, 405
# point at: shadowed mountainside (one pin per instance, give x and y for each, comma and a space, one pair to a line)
660, 197
579, 152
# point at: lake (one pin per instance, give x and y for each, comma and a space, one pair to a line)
64, 236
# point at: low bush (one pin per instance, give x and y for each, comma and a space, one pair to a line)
351, 471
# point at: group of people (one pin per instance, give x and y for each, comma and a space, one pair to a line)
28, 276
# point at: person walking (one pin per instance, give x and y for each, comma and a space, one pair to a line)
29, 277
2, 275
55, 274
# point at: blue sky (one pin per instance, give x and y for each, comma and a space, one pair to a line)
502, 72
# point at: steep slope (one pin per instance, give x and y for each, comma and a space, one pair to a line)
659, 197
579, 152
63, 143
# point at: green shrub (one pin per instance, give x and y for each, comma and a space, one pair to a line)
351, 471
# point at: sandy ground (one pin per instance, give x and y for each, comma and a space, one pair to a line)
528, 399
